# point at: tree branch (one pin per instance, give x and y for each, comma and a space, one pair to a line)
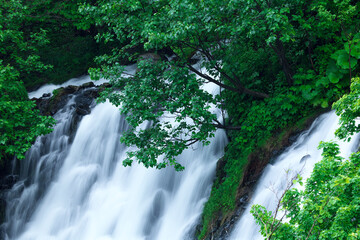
242, 90
222, 126
239, 87
227, 127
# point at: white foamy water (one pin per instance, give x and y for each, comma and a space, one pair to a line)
300, 157
81, 191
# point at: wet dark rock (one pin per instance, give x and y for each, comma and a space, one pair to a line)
223, 231
150, 56
2, 210
294, 136
73, 125
84, 100
61, 96
105, 85
243, 200
70, 89
83, 110
49, 106
290, 140
9, 181
84, 97
220, 170
6, 183
87, 85
304, 158
275, 153
45, 95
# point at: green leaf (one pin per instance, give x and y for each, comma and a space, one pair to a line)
343, 60
355, 50
332, 67
336, 54
335, 77
324, 104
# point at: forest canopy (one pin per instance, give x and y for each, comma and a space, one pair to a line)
294, 53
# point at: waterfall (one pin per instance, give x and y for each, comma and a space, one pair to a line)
75, 187
300, 157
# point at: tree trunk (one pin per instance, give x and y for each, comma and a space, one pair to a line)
280, 52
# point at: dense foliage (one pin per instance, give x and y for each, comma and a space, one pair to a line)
179, 28
71, 49
348, 108
65, 52
328, 207
19, 48
20, 123
248, 48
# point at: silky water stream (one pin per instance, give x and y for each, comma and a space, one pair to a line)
74, 187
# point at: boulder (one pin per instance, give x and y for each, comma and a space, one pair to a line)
154, 57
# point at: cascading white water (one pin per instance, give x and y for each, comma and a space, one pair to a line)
81, 190
300, 157
38, 170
